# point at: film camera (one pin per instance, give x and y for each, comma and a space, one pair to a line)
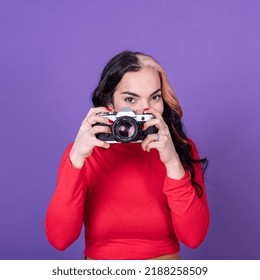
127, 126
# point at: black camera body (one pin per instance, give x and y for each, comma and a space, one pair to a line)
126, 127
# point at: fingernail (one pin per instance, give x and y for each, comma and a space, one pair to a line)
146, 109
142, 127
108, 109
110, 121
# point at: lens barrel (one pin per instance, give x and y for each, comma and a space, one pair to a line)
125, 129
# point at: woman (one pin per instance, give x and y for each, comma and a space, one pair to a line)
136, 200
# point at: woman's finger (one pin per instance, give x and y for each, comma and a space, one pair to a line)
101, 129
150, 138
98, 119
158, 123
95, 111
102, 144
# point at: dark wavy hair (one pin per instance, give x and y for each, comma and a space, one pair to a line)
128, 61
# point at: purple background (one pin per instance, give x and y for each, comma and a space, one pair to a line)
51, 56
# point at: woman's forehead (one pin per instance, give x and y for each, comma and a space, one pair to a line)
146, 77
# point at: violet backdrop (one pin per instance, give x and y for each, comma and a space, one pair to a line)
51, 56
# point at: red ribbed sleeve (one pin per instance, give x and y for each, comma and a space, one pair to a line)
65, 212
190, 214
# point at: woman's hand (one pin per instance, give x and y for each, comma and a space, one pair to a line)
86, 138
162, 141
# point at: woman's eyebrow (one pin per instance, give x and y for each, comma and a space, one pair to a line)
130, 93
155, 92
137, 95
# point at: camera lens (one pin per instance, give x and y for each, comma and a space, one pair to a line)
125, 129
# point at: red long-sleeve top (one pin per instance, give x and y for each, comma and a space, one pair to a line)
130, 208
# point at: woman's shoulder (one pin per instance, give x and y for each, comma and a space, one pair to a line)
190, 141
69, 146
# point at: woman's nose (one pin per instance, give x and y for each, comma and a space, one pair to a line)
141, 108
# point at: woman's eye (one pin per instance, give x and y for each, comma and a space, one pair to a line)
156, 97
130, 100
